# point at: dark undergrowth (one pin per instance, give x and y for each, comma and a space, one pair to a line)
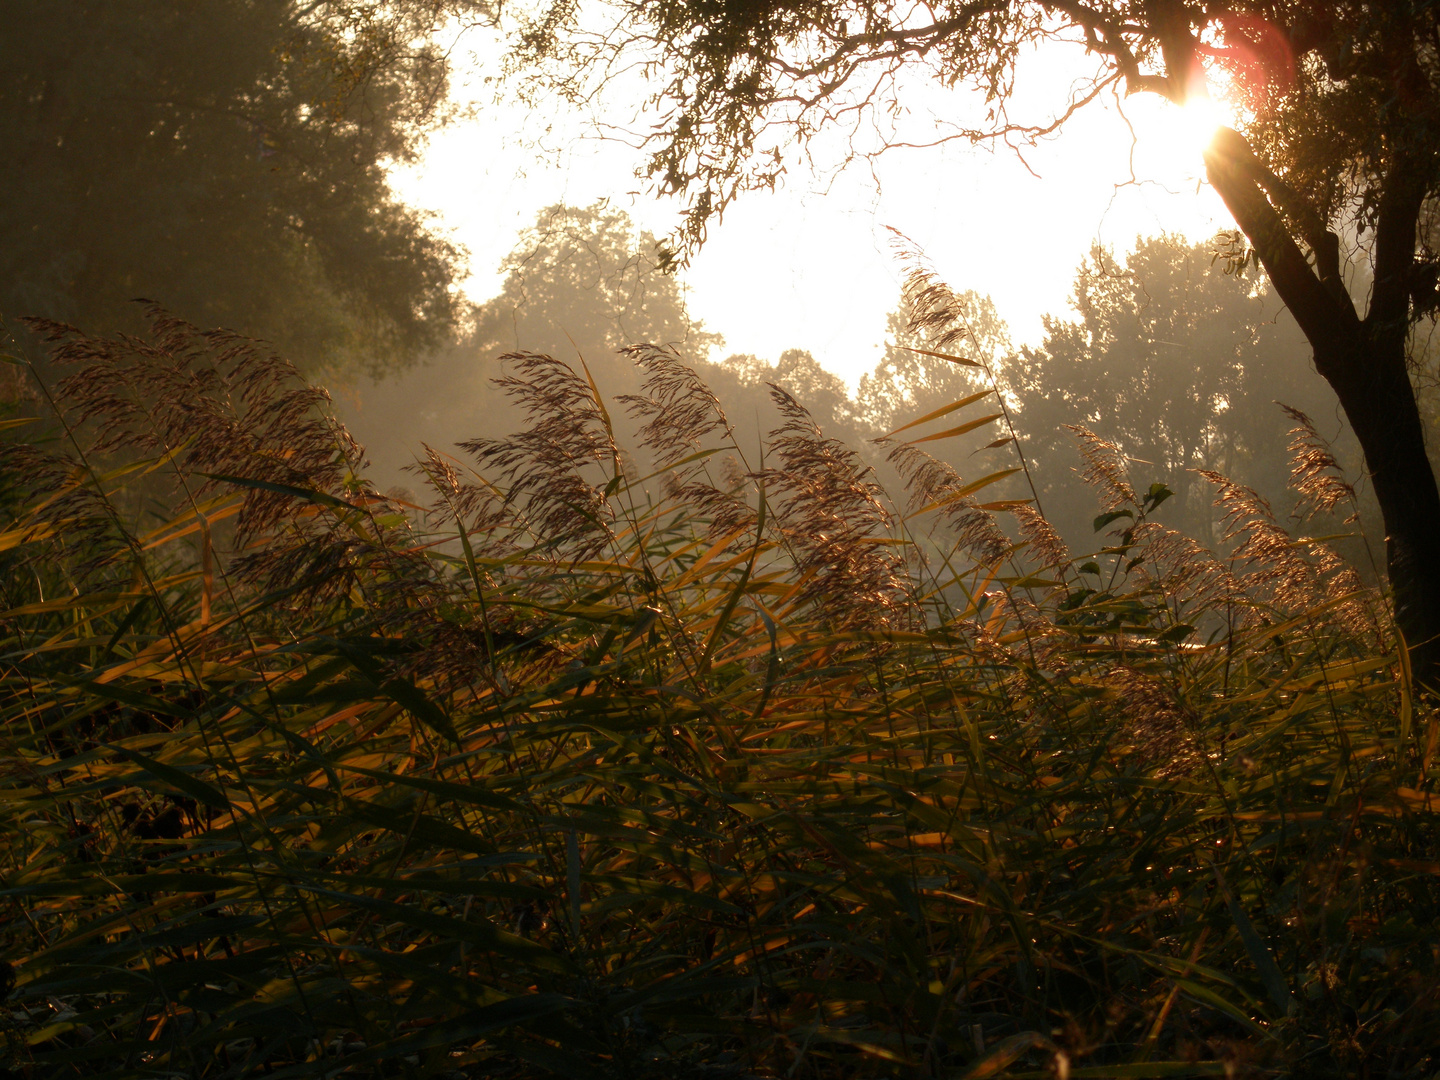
739, 769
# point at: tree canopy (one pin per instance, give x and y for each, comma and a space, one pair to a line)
227, 160
1339, 139
580, 281
1331, 90
1169, 359
583, 279
909, 381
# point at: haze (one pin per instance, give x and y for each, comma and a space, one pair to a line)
809, 265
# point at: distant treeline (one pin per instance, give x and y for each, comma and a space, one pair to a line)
1183, 365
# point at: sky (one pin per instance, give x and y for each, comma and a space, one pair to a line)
810, 265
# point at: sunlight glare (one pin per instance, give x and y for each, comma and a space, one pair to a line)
1198, 120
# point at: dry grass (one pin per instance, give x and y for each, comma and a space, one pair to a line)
556, 771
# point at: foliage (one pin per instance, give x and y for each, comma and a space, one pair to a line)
228, 158
1333, 93
743, 383
907, 381
580, 281
1176, 362
571, 774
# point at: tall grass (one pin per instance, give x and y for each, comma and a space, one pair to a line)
739, 769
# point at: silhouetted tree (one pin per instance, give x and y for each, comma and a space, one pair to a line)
581, 279
580, 283
908, 382
227, 159
742, 384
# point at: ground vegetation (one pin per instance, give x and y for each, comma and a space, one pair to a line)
552, 770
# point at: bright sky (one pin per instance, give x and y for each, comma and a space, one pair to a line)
809, 266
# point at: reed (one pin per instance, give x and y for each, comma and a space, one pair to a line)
741, 769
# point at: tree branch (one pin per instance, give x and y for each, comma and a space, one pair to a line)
898, 42
1323, 244
1230, 164
1103, 36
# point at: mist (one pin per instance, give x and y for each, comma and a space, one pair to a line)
737, 541
1185, 367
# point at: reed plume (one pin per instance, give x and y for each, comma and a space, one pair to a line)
1314, 473
1105, 469
677, 409
1277, 563
1046, 546
831, 512
219, 402
932, 307
1157, 726
1183, 569
543, 469
483, 808
218, 413
931, 483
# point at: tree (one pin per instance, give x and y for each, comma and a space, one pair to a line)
822, 393
1171, 360
742, 385
1343, 139
908, 382
228, 160
581, 279
580, 282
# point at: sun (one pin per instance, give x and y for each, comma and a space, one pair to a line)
1174, 136
1198, 120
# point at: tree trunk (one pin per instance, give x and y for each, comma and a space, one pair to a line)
1363, 360
1373, 384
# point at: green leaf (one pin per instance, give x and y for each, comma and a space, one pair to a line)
1157, 494
307, 494
1178, 632
134, 698
480, 933
405, 693
136, 609
1270, 974
464, 794
739, 590
1006, 1051
1029, 581
572, 877
1113, 515
193, 786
